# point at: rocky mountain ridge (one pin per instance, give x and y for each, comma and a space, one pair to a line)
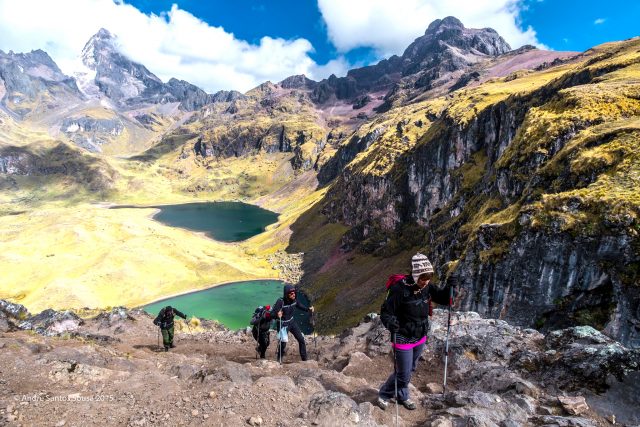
130, 84
106, 368
512, 184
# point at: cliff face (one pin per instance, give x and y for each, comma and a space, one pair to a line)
529, 184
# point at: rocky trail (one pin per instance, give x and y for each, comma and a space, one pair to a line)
57, 369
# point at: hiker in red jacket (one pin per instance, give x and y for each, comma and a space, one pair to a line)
405, 313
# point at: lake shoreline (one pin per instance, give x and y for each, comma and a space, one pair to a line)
221, 221
141, 306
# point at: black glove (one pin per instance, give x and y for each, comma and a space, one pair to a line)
453, 281
392, 324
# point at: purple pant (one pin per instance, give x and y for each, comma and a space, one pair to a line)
406, 361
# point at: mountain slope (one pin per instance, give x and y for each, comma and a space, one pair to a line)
527, 183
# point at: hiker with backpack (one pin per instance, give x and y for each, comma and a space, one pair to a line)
405, 313
165, 321
283, 309
261, 321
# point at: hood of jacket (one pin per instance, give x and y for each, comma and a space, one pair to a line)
287, 288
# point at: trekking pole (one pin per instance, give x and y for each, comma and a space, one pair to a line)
446, 349
280, 342
395, 373
159, 348
315, 336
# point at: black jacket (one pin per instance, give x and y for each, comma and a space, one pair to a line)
410, 306
165, 318
287, 306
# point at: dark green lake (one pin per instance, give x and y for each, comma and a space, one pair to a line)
222, 221
232, 304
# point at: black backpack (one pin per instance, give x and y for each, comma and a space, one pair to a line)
259, 314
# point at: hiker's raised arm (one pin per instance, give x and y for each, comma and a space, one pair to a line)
440, 295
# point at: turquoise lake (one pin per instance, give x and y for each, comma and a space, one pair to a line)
232, 304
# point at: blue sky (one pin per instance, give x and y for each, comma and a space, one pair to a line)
559, 24
225, 44
579, 25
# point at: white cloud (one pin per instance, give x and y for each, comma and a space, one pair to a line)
599, 21
174, 44
390, 26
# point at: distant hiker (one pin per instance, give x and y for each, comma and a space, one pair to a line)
165, 322
261, 321
283, 311
405, 313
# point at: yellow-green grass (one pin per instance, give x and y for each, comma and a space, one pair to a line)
62, 248
90, 256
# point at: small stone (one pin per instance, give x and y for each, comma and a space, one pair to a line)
186, 399
434, 388
205, 416
575, 405
441, 422
545, 410
212, 395
61, 423
194, 412
11, 418
255, 421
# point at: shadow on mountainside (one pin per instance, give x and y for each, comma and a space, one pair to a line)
60, 160
166, 145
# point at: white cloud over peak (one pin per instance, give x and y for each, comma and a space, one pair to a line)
390, 26
599, 21
174, 44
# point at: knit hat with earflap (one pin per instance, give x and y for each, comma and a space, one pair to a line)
419, 265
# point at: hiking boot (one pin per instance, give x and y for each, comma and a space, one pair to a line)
382, 403
172, 345
409, 404
166, 348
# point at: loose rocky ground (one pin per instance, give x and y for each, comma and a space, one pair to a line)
57, 369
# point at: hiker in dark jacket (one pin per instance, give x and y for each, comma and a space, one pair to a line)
283, 311
165, 322
405, 313
261, 322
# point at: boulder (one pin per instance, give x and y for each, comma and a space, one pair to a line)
357, 363
4, 322
331, 408
14, 311
115, 318
51, 322
574, 405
